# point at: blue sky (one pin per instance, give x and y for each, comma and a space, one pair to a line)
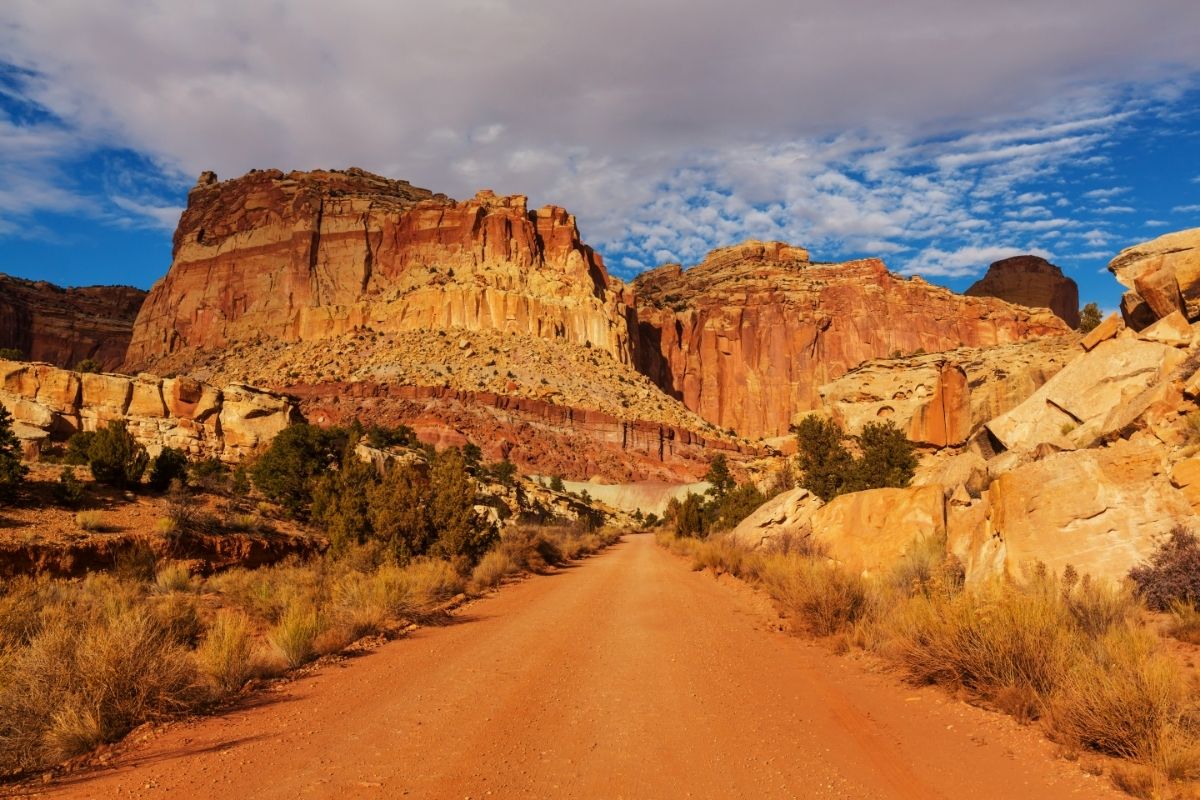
938, 135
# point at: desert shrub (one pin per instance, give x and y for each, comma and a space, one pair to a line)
1185, 622
819, 597
115, 457
493, 568
824, 461
296, 632
359, 606
169, 465
85, 681
719, 477
428, 582
1089, 318
1172, 573
69, 490
502, 472
690, 519
11, 354
76, 451
734, 505
451, 507
1124, 698
288, 470
828, 469
12, 471
381, 437
342, 502
398, 512
88, 365
179, 617
225, 654
556, 483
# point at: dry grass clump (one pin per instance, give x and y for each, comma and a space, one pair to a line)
492, 569
817, 596
84, 681
91, 521
1185, 622
295, 635
225, 655
174, 577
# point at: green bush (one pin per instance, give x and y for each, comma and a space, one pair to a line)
452, 510
12, 471
1172, 573
169, 465
87, 365
504, 472
288, 471
11, 354
1089, 318
68, 490
341, 502
398, 513
556, 483
690, 517
115, 457
828, 469
78, 446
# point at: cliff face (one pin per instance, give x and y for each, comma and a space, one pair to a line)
312, 255
746, 338
1033, 282
64, 326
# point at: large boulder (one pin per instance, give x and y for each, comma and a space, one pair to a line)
1101, 510
1162, 275
788, 514
1098, 393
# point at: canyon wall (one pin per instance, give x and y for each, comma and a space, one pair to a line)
746, 338
65, 326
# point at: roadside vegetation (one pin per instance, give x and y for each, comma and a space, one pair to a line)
84, 661
1078, 657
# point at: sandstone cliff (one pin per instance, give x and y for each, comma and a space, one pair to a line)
311, 255
64, 326
746, 338
1032, 282
49, 404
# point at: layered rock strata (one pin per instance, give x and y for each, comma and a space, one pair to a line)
746, 338
50, 404
65, 326
1033, 282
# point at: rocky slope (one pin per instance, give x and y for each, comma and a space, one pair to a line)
308, 256
1033, 282
65, 326
746, 338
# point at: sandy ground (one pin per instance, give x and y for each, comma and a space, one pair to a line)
627, 676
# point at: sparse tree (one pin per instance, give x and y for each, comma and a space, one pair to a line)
115, 457
169, 465
12, 471
1089, 318
719, 477
823, 460
287, 472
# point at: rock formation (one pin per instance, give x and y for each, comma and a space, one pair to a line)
941, 399
65, 326
1162, 275
49, 404
312, 255
746, 338
1033, 282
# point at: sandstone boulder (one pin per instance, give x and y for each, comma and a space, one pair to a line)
251, 417
873, 530
1031, 281
1163, 275
788, 514
1099, 392
1101, 510
1107, 329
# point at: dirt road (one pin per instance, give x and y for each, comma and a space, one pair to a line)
627, 676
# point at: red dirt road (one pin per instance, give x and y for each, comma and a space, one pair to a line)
628, 676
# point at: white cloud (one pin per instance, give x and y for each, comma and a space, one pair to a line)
1156, 223
1101, 194
1115, 210
686, 131
965, 261
1188, 209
